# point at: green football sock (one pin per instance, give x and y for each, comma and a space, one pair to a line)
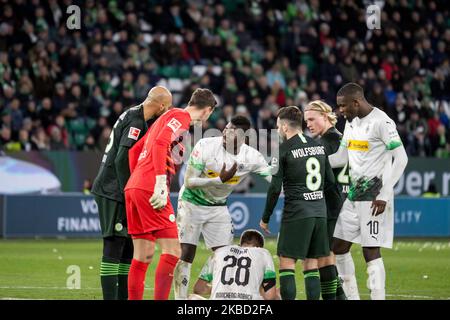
340, 294
328, 282
288, 289
312, 284
109, 271
124, 268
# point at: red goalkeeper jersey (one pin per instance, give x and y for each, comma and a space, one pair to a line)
153, 152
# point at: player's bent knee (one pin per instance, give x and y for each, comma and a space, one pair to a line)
143, 250
127, 252
188, 252
326, 261
170, 246
309, 264
287, 263
113, 247
371, 253
145, 257
340, 246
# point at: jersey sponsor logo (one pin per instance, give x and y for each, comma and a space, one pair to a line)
134, 133
174, 124
213, 174
358, 145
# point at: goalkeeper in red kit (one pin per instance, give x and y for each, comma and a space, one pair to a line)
150, 215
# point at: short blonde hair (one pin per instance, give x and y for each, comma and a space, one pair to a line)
322, 107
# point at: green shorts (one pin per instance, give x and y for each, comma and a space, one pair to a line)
113, 217
303, 238
331, 224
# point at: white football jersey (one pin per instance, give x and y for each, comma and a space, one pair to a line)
208, 156
368, 141
237, 273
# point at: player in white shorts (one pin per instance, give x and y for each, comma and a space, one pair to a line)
377, 159
244, 272
207, 184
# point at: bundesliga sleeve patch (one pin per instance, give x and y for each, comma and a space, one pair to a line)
174, 124
134, 133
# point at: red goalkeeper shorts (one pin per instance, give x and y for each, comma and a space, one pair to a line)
144, 222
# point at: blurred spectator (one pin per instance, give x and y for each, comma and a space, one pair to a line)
40, 139
89, 144
5, 138
417, 135
431, 192
25, 143
56, 141
87, 186
440, 143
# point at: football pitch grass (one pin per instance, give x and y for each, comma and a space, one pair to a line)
40, 269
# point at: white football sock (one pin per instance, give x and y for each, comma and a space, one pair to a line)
346, 270
377, 279
181, 276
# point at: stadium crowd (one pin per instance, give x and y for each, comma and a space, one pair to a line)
63, 89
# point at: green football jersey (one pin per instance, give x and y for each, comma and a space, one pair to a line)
303, 170
113, 174
331, 141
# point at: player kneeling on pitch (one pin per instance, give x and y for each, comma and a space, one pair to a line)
244, 272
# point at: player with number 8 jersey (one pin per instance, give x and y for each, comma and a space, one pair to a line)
306, 176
